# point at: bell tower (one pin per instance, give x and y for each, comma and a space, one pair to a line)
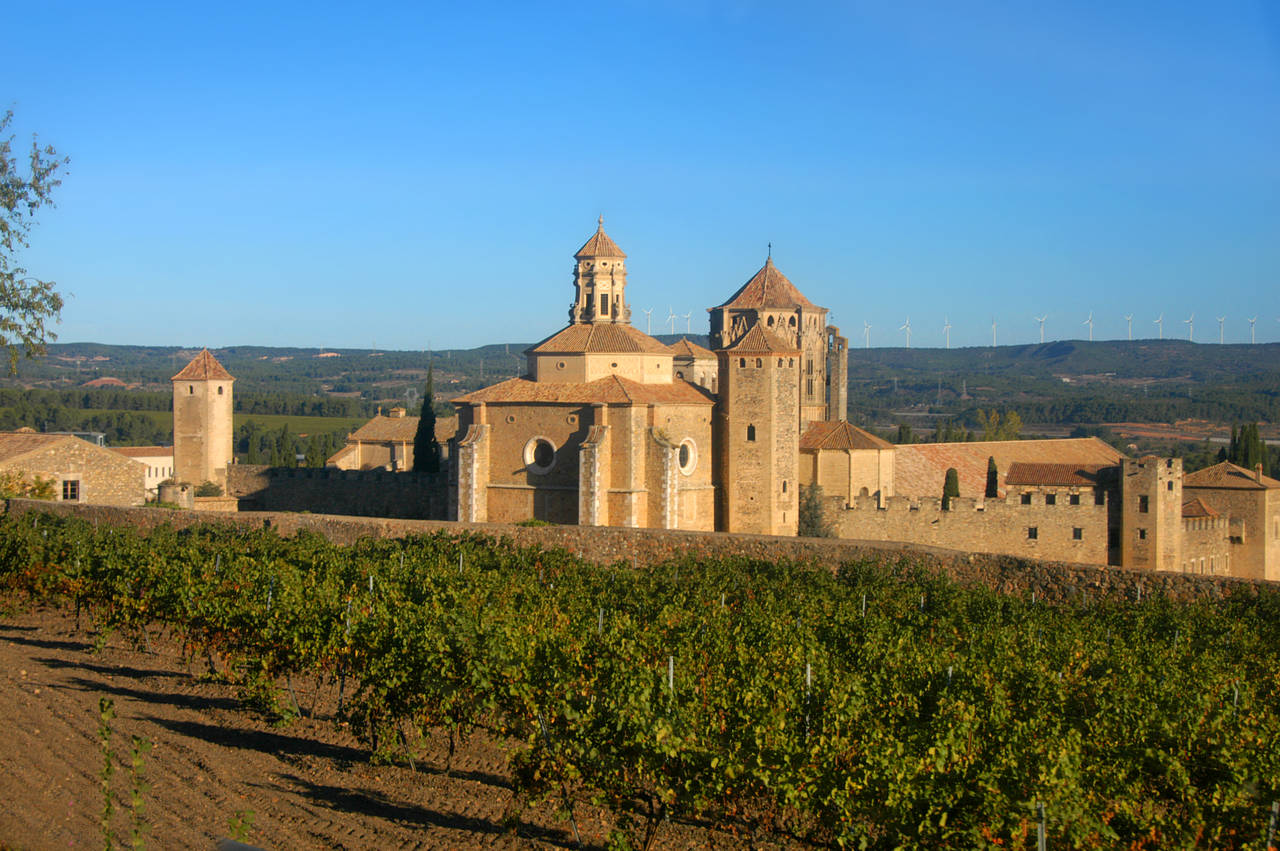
600, 282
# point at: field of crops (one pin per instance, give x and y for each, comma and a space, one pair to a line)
875, 707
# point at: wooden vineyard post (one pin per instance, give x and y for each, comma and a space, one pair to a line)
1271, 826
1042, 839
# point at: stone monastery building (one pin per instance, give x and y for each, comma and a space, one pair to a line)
611, 427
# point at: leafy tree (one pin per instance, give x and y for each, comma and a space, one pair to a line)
904, 434
812, 522
426, 448
27, 304
1247, 447
996, 427
208, 489
950, 488
993, 478
16, 484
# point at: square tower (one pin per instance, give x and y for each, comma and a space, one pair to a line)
202, 422
758, 435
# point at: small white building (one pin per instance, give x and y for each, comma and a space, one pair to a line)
157, 459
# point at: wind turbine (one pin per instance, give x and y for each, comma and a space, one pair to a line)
866, 333
993, 332
1159, 323
1089, 322
688, 322
671, 319
906, 326
946, 329
1253, 336
1129, 319
1041, 320
648, 322
1221, 319
1191, 327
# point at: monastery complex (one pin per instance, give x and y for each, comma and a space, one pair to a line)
611, 427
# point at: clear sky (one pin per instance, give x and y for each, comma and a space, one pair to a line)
420, 174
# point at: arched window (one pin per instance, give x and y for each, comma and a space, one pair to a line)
742, 362
219, 389
751, 434
779, 361
770, 321
759, 363
191, 388
792, 322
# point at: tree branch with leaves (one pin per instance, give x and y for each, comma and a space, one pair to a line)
28, 305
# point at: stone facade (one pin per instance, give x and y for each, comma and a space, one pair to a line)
1251, 502
610, 427
80, 471
203, 427
157, 459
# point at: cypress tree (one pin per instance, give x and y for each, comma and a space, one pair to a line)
993, 478
426, 449
950, 488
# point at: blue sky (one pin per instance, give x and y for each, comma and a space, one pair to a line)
421, 174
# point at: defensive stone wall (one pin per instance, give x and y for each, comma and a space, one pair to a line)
1050, 581
1053, 532
360, 493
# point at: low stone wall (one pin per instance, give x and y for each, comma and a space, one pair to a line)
359, 493
1051, 581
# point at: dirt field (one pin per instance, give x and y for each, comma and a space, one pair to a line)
307, 785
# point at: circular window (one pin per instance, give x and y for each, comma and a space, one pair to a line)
613, 365
687, 455
511, 418
572, 419
539, 455
560, 365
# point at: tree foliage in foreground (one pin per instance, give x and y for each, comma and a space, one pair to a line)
27, 304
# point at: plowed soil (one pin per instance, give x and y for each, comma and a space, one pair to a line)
306, 785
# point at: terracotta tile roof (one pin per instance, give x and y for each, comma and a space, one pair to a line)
1032, 473
602, 338
382, 429
920, 468
600, 245
840, 435
15, 444
689, 349
1228, 475
204, 367
759, 339
1197, 508
143, 451
612, 390
768, 288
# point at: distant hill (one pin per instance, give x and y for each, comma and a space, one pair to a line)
1070, 381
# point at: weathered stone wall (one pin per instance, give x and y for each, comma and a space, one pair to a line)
1050, 581
361, 493
991, 526
104, 477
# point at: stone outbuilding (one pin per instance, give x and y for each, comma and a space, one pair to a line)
79, 470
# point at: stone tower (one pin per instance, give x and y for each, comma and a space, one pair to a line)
1151, 513
757, 434
837, 375
202, 424
769, 299
600, 282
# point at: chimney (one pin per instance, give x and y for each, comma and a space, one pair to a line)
1257, 472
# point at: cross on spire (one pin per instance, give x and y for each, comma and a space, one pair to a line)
770, 254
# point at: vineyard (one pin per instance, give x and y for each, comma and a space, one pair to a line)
875, 706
